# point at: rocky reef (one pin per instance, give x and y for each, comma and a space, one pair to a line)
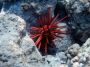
17, 49
79, 12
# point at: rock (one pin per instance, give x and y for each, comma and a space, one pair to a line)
72, 50
16, 47
31, 8
78, 12
51, 59
18, 50
76, 6
82, 60
76, 64
62, 57
75, 59
63, 43
57, 60
83, 57
82, 27
25, 6
62, 65
85, 35
86, 46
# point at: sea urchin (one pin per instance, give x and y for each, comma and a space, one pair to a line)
46, 31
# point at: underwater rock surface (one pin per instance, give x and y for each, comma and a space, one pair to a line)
82, 59
79, 18
16, 47
18, 50
34, 7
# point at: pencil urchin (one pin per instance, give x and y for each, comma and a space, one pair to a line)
46, 31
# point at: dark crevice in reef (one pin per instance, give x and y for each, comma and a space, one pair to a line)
1, 4
50, 50
80, 27
60, 9
78, 23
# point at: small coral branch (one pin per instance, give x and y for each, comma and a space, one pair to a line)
46, 31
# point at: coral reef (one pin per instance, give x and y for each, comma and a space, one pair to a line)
17, 49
